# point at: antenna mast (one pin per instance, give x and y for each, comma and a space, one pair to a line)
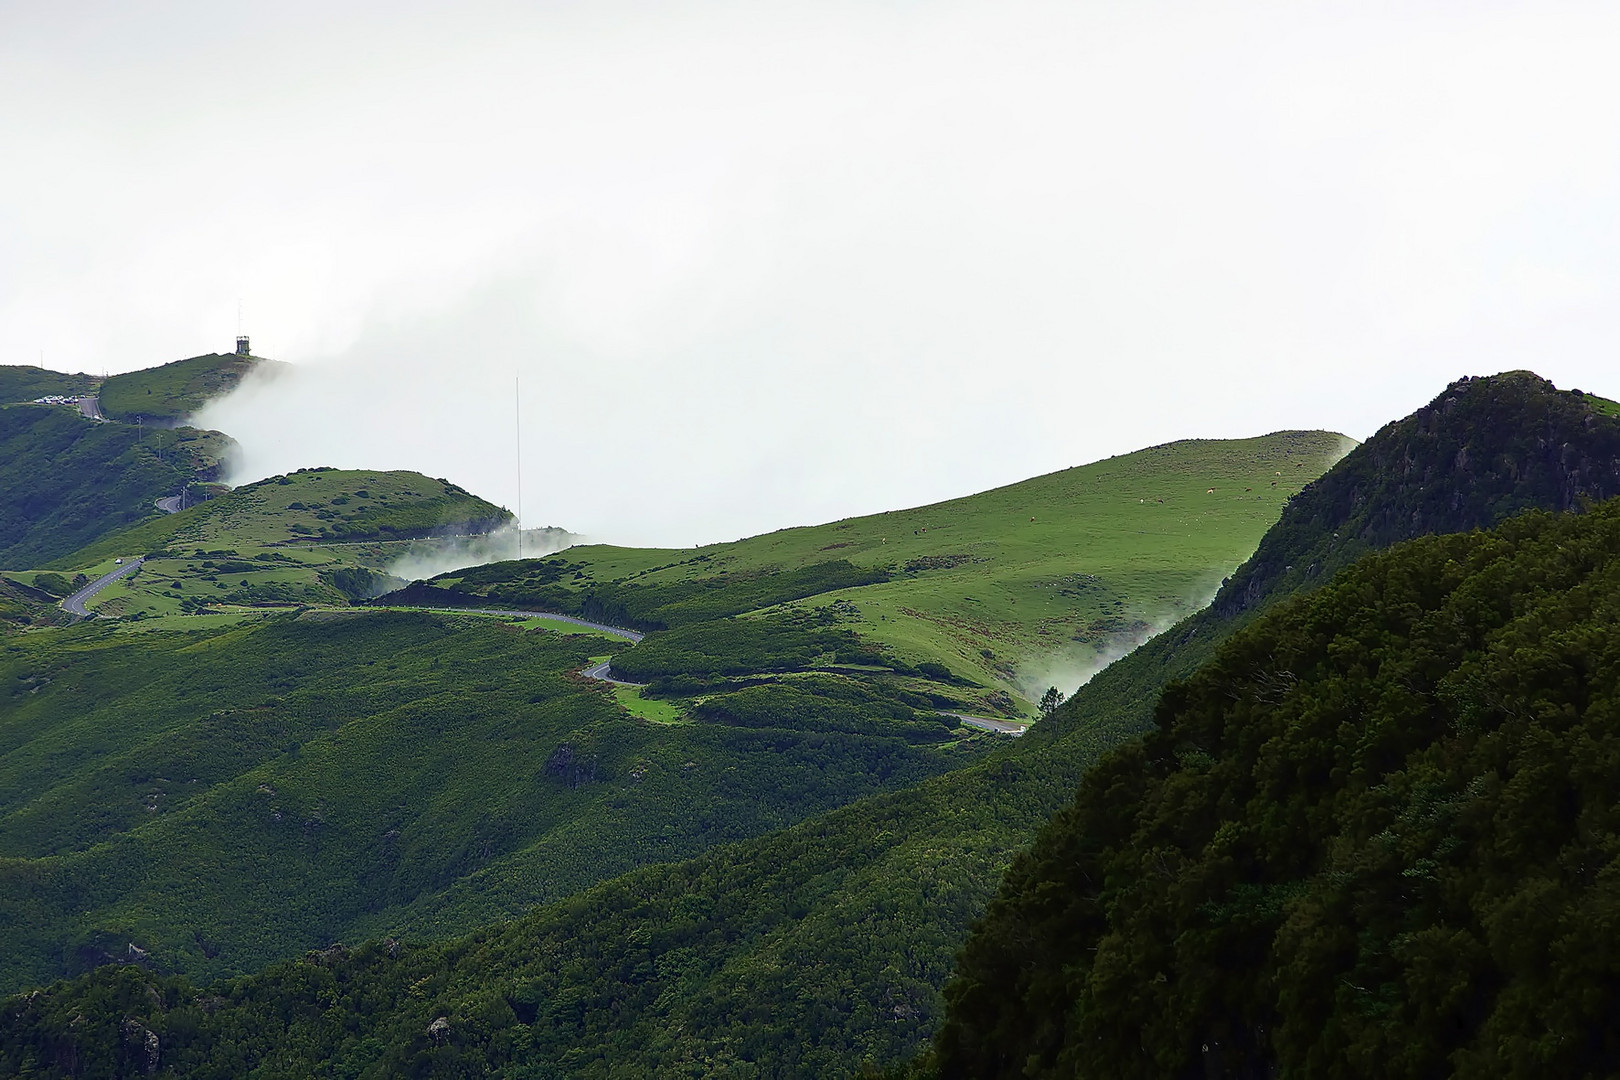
517, 433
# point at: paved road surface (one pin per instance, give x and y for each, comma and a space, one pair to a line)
74, 604
985, 723
603, 672
171, 505
90, 408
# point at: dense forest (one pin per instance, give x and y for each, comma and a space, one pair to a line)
1376, 836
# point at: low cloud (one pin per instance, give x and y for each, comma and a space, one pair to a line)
430, 558
1071, 668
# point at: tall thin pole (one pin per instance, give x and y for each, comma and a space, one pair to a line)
517, 432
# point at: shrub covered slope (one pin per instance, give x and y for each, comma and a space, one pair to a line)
1376, 836
66, 481
229, 796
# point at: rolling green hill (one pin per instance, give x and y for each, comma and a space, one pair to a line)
66, 481
167, 394
1012, 589
313, 536
1374, 837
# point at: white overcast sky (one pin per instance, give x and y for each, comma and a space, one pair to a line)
762, 264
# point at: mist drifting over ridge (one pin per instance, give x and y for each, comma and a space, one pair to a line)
759, 266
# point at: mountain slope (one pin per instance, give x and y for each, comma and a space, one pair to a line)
66, 481
236, 794
1484, 449
1375, 836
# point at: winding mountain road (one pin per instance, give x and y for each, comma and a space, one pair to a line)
74, 605
985, 723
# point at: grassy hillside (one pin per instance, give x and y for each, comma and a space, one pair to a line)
231, 795
20, 383
314, 536
66, 481
166, 395
1374, 837
1014, 589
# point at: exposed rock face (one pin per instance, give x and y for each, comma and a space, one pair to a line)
569, 767
143, 1045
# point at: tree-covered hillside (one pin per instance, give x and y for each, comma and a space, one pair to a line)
66, 481
1375, 836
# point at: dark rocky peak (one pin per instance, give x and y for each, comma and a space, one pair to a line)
1484, 450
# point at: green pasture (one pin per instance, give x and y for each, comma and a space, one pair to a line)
658, 712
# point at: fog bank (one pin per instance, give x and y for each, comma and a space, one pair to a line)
758, 265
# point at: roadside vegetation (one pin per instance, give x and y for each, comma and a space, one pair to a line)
316, 536
21, 384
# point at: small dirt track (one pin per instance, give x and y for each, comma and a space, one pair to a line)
74, 605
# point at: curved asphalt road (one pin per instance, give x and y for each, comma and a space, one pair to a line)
603, 672
74, 605
985, 723
171, 505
